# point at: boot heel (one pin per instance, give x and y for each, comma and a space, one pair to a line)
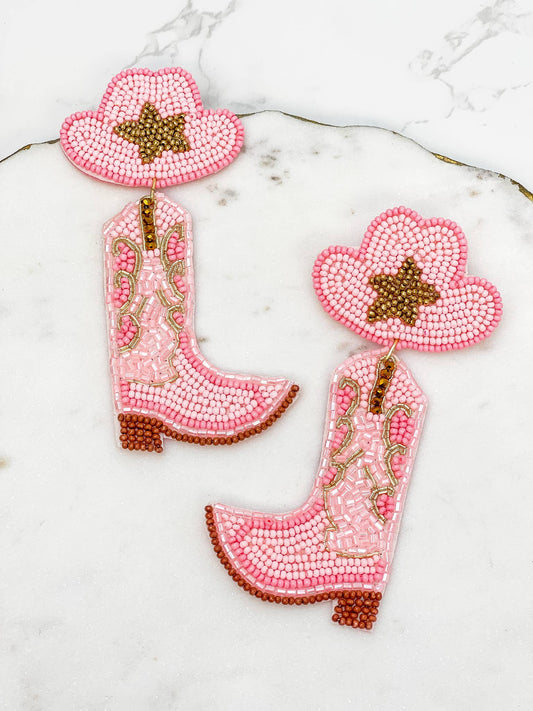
357, 608
138, 432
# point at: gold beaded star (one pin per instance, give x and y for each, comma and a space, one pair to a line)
154, 134
401, 294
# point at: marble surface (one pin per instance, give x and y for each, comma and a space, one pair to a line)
110, 595
455, 76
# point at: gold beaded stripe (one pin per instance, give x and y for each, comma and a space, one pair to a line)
400, 295
147, 215
154, 134
384, 374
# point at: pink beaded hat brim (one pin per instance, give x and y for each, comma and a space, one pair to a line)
91, 142
466, 311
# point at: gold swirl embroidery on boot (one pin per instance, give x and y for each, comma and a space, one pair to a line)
391, 449
135, 319
178, 266
375, 492
171, 310
147, 207
342, 467
132, 283
164, 301
171, 269
117, 282
134, 248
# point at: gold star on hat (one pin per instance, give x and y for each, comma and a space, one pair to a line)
154, 134
401, 294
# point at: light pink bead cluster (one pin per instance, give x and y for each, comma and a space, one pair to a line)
164, 375
334, 543
201, 400
467, 311
90, 142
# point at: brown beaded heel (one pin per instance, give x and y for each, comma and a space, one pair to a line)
141, 432
357, 608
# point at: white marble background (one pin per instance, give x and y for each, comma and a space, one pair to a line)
111, 598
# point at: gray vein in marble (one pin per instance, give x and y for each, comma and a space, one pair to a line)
488, 23
181, 42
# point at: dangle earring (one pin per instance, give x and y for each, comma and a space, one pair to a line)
151, 131
404, 288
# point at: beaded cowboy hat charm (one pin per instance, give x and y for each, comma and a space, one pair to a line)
404, 288
151, 131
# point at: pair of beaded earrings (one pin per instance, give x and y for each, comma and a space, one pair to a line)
405, 287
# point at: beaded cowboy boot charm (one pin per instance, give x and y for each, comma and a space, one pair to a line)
404, 288
151, 130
